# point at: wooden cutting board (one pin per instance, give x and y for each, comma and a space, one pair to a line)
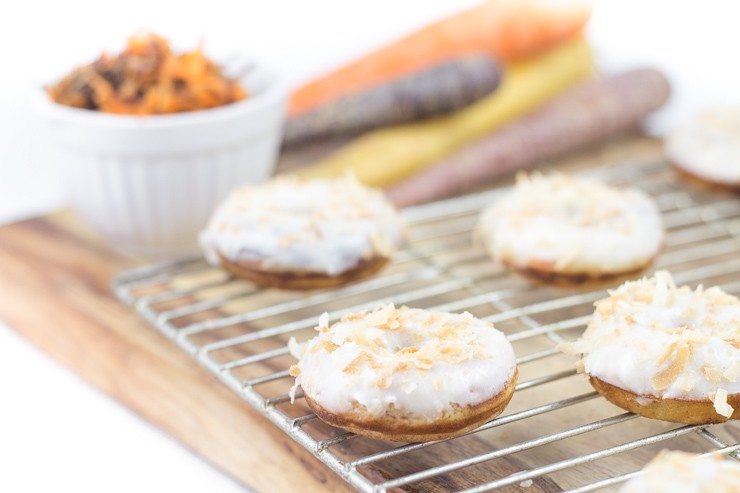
54, 279
55, 276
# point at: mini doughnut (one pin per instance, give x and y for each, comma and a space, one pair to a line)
707, 148
406, 374
294, 234
680, 472
665, 352
572, 231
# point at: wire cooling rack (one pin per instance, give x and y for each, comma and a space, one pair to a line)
557, 434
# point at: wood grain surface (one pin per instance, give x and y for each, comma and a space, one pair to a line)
54, 280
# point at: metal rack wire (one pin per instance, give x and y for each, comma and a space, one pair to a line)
556, 435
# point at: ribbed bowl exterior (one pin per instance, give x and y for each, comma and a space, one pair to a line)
149, 184
155, 206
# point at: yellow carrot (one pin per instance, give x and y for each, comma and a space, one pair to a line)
386, 156
506, 30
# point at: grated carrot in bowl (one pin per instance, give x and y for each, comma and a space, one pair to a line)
147, 78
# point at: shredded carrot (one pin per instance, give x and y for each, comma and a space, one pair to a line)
147, 78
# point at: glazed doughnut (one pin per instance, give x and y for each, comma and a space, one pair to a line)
294, 234
406, 374
680, 472
569, 231
707, 148
665, 352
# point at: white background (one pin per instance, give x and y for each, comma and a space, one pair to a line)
57, 433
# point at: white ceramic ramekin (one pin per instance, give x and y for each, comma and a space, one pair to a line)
149, 184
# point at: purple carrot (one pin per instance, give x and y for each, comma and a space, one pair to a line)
584, 115
434, 91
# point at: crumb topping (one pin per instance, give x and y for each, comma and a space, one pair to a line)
312, 225
654, 338
705, 145
672, 471
719, 398
416, 359
564, 223
448, 339
580, 201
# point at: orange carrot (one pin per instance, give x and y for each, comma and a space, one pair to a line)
505, 29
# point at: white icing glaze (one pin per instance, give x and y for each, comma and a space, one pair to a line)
418, 361
679, 472
709, 146
572, 225
325, 226
654, 339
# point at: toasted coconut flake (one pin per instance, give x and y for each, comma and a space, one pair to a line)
695, 336
324, 322
329, 346
380, 317
667, 354
383, 382
686, 382
353, 367
713, 375
294, 388
665, 378
296, 348
661, 295
424, 363
720, 403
